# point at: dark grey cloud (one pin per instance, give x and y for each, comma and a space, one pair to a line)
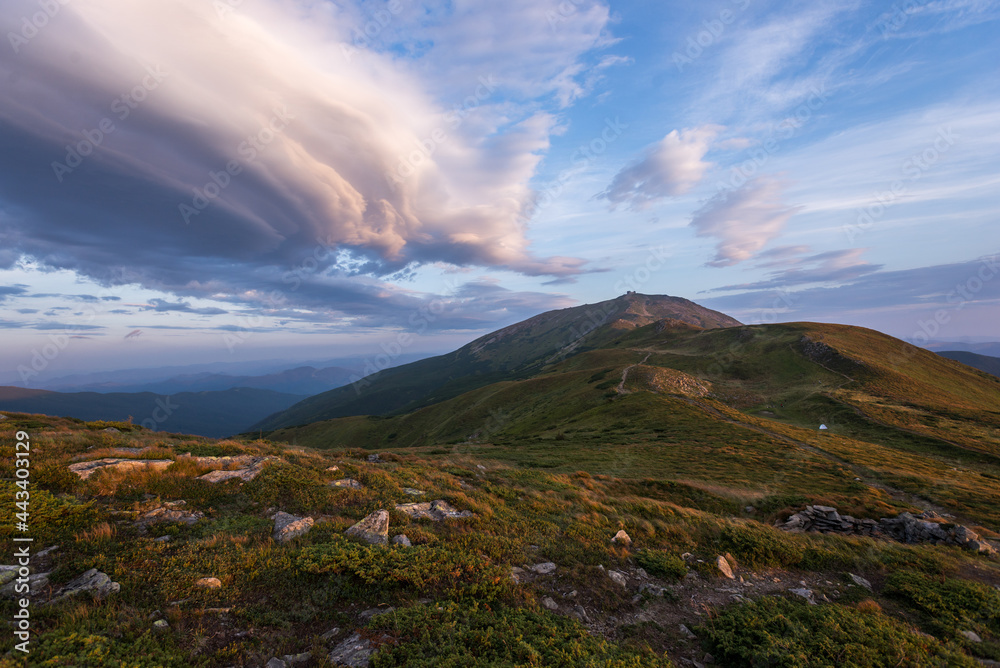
315, 184
8, 291
829, 267
964, 287
163, 306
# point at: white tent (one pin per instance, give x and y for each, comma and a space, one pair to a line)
822, 427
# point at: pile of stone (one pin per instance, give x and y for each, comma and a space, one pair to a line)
824, 519
905, 528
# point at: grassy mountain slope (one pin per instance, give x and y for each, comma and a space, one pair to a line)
518, 351
204, 413
735, 409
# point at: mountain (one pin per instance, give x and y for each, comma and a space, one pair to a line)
990, 348
985, 363
515, 352
304, 381
203, 413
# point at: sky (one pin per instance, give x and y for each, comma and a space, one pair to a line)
186, 181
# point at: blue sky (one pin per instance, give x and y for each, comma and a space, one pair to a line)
193, 181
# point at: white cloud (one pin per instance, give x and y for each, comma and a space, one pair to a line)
671, 167
743, 220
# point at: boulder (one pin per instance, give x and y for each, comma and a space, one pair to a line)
170, 512
373, 529
37, 582
401, 539
246, 474
807, 594
432, 510
208, 583
549, 603
87, 469
347, 483
355, 652
860, 581
724, 568
413, 492
971, 636
618, 578
93, 581
543, 568
622, 538
275, 662
288, 526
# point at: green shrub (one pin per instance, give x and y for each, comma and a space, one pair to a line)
661, 564
948, 603
422, 569
757, 545
789, 634
452, 635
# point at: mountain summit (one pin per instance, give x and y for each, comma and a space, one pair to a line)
518, 351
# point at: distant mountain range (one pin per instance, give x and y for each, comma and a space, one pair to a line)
214, 414
985, 363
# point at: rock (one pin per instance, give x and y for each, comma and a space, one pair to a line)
375, 459
372, 613
251, 468
401, 539
275, 662
93, 581
288, 526
373, 529
87, 469
333, 468
807, 594
298, 659
331, 633
622, 538
111, 430
347, 483
355, 652
581, 613
162, 539
549, 603
749, 509
724, 567
618, 577
543, 568
413, 492
37, 582
651, 589
686, 632
210, 583
860, 581
160, 625
516, 573
46, 552
169, 512
971, 636
433, 510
